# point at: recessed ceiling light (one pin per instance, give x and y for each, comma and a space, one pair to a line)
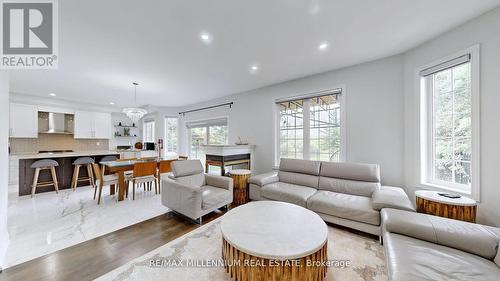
205, 37
112, 103
323, 46
254, 68
52, 94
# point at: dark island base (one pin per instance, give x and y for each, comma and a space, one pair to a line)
64, 174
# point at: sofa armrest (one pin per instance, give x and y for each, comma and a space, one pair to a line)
264, 179
183, 198
219, 181
468, 237
391, 197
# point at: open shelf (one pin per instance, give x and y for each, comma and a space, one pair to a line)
125, 126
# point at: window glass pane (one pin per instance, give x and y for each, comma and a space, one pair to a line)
171, 134
451, 139
198, 138
291, 129
217, 135
324, 128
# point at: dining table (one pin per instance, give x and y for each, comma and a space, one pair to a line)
121, 166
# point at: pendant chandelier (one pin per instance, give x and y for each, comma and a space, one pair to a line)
135, 113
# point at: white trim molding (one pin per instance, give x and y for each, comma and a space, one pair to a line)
424, 90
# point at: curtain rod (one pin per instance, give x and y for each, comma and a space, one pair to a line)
208, 107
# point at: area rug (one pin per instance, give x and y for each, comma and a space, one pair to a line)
195, 256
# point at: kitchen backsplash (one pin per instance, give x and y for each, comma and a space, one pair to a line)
56, 142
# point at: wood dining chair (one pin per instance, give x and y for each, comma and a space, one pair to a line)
144, 173
103, 180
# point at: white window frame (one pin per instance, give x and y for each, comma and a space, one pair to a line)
165, 118
306, 133
426, 127
144, 134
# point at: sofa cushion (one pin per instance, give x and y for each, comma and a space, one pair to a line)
352, 207
469, 237
186, 168
300, 166
212, 197
298, 179
391, 197
193, 180
287, 192
360, 188
413, 259
351, 171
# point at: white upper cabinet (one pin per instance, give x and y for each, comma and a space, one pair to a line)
102, 125
23, 121
92, 125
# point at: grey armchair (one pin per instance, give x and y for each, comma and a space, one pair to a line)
192, 193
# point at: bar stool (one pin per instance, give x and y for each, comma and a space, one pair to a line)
106, 159
40, 165
78, 163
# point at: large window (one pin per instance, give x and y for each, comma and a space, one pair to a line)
310, 127
449, 154
211, 132
149, 131
171, 134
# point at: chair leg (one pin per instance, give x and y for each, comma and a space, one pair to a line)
77, 172
91, 176
73, 179
99, 196
126, 189
95, 192
54, 178
35, 180
156, 186
133, 190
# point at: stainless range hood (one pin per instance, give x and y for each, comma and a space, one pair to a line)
55, 123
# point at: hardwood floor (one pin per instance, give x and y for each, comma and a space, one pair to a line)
93, 258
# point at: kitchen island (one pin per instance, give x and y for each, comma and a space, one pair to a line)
64, 171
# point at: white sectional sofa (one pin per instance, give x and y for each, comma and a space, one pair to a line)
346, 194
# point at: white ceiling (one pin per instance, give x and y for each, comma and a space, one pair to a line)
105, 45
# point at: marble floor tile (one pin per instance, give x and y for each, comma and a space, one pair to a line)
50, 222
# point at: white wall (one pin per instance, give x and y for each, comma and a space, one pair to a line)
4, 162
374, 110
482, 30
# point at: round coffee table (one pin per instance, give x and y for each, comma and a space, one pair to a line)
267, 240
430, 202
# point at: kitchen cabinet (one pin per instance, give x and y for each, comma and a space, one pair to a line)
23, 121
102, 125
92, 125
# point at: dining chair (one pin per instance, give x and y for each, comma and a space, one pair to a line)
103, 180
106, 159
144, 173
164, 170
